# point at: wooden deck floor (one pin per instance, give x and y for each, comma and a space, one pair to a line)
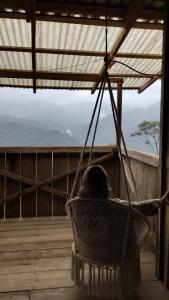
35, 263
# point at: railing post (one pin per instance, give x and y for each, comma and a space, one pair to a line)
119, 107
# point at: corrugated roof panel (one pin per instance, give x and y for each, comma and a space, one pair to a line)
74, 36
143, 41
14, 32
16, 81
63, 84
68, 63
134, 82
148, 66
15, 60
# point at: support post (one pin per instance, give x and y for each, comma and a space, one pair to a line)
119, 106
163, 226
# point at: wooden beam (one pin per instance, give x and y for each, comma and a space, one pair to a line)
33, 40
84, 9
138, 55
119, 109
59, 88
97, 22
82, 20
129, 19
67, 149
89, 77
80, 52
163, 228
27, 5
49, 75
149, 82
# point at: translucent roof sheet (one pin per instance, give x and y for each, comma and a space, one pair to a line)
69, 53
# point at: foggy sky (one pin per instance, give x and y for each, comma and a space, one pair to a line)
13, 101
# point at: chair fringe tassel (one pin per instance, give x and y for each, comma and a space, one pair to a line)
104, 282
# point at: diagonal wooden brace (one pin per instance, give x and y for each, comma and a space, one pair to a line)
56, 178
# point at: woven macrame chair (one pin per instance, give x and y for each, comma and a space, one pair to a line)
99, 264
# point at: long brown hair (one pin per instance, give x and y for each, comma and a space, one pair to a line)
95, 183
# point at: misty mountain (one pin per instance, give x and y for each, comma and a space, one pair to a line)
56, 125
15, 132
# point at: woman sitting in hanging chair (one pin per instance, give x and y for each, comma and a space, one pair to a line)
108, 234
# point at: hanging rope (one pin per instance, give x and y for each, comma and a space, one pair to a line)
96, 125
87, 137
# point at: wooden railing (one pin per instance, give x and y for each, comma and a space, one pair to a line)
145, 168
37, 181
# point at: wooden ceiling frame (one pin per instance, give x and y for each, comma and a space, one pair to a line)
83, 9
129, 19
91, 21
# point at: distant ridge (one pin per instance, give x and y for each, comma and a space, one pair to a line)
57, 126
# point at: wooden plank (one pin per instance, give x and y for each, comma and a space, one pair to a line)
60, 164
30, 239
28, 169
32, 245
61, 293
35, 221
29, 232
146, 158
35, 254
2, 183
99, 149
152, 290
73, 164
35, 265
13, 165
22, 227
35, 280
44, 171
15, 296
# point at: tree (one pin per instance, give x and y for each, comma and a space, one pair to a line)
149, 132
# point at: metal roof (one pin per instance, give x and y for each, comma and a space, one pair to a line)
61, 44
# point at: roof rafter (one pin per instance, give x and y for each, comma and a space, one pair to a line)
90, 77
129, 19
83, 9
30, 9
82, 20
149, 82
80, 52
59, 88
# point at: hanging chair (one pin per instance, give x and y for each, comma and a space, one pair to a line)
104, 264
107, 234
